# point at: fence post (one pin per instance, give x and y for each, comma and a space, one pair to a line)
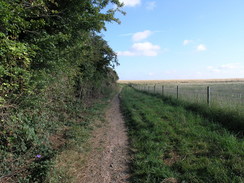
148, 89
154, 89
177, 92
163, 90
208, 95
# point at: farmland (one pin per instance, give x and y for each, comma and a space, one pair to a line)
171, 143
226, 93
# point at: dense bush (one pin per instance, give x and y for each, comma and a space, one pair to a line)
51, 58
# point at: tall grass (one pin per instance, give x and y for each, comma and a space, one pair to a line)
171, 143
70, 161
230, 119
229, 95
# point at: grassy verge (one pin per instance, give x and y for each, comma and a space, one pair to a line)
231, 119
170, 143
68, 163
43, 138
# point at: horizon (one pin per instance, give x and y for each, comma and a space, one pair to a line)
224, 79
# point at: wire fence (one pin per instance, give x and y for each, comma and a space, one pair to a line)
221, 95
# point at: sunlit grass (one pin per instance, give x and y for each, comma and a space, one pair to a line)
226, 94
169, 141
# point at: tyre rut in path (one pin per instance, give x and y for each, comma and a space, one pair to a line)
108, 161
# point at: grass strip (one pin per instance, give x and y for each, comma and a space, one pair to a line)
231, 119
170, 143
69, 162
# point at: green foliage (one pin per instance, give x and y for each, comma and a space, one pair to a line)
14, 68
170, 142
49, 36
51, 59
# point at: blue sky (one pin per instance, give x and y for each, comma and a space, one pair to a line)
179, 39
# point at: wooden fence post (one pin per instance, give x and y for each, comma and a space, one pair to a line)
208, 95
154, 89
177, 92
148, 87
163, 90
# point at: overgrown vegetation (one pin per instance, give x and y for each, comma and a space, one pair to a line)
53, 63
68, 164
171, 143
231, 119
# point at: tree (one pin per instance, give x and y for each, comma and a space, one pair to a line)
42, 37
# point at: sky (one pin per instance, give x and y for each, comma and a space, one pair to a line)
179, 39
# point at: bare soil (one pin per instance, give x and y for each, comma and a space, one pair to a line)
108, 160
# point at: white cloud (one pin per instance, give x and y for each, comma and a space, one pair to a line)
130, 3
201, 47
146, 48
186, 42
141, 35
141, 49
151, 5
151, 74
227, 68
213, 69
231, 66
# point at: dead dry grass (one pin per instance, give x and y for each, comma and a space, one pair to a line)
173, 158
108, 158
70, 162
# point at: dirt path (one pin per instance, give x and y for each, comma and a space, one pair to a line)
109, 158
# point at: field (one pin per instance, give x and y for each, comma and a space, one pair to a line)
181, 81
170, 143
226, 93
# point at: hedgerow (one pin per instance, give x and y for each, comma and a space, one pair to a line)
51, 58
